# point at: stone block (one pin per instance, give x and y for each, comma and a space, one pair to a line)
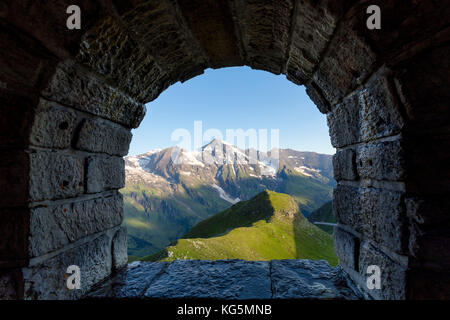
265, 29
349, 60
130, 283
163, 32
103, 137
105, 173
53, 125
313, 25
47, 280
308, 279
55, 175
54, 227
226, 279
377, 214
74, 86
344, 165
381, 161
365, 115
315, 94
346, 247
119, 249
393, 274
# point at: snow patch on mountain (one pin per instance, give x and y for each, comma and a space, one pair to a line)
224, 195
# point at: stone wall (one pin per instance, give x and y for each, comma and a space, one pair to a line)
70, 98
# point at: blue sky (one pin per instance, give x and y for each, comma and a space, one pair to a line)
233, 98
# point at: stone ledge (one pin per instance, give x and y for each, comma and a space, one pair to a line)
227, 279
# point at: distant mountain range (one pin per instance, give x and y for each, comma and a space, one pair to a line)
269, 226
169, 191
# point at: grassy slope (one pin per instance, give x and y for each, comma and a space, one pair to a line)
266, 227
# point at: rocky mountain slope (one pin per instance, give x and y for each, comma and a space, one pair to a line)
269, 226
324, 214
169, 191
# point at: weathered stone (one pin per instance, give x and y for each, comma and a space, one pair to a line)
367, 114
377, 214
265, 31
393, 273
120, 249
162, 30
53, 126
308, 279
104, 137
54, 227
315, 94
344, 165
349, 60
54, 176
102, 55
81, 89
227, 279
312, 29
346, 247
47, 279
201, 16
105, 173
381, 161
131, 282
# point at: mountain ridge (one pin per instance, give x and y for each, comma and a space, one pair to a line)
174, 189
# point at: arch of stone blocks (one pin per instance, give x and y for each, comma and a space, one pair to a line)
69, 99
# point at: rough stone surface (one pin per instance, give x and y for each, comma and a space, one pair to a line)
53, 126
47, 279
103, 137
54, 176
228, 279
346, 247
376, 213
131, 282
381, 161
348, 61
365, 115
265, 30
393, 273
120, 249
104, 173
344, 165
312, 30
76, 87
308, 279
10, 280
212, 279
54, 227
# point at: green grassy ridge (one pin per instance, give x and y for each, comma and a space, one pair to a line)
267, 227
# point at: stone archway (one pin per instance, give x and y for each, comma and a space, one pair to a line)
70, 97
